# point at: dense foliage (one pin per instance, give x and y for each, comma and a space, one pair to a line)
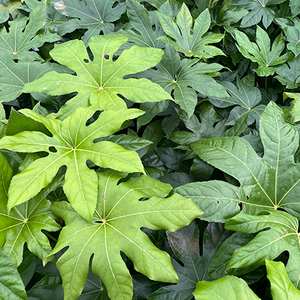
149, 150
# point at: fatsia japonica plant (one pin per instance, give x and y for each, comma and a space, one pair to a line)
149, 149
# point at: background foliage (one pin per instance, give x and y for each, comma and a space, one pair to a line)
149, 150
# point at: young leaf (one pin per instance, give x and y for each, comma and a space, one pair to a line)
17, 43
117, 220
100, 81
95, 16
25, 222
282, 235
267, 59
226, 288
281, 286
184, 78
269, 182
191, 44
259, 9
289, 73
11, 283
71, 145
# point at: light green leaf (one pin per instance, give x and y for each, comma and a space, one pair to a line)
281, 286
99, 82
18, 41
11, 283
282, 235
9, 7
71, 145
117, 220
226, 288
292, 114
191, 44
295, 7
267, 59
26, 221
95, 16
293, 37
269, 182
289, 73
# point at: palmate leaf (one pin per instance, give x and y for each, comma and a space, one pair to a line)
289, 73
259, 10
116, 227
13, 76
26, 221
282, 235
191, 44
18, 41
99, 82
72, 145
95, 16
9, 7
268, 182
267, 59
184, 78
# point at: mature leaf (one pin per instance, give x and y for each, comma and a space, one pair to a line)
268, 182
293, 37
267, 59
245, 96
184, 77
100, 81
15, 75
72, 145
11, 283
259, 10
25, 222
292, 113
191, 44
18, 41
185, 244
95, 16
141, 21
9, 7
289, 73
281, 235
117, 220
226, 288
295, 7
281, 286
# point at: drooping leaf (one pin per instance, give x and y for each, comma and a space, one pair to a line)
191, 44
185, 243
95, 16
282, 234
281, 286
13, 76
117, 220
11, 283
71, 145
99, 82
141, 21
244, 96
268, 182
258, 10
25, 222
226, 288
260, 51
184, 78
18, 41
289, 73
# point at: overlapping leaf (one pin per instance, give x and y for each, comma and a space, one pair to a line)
71, 144
191, 44
282, 235
116, 227
9, 7
26, 221
268, 182
100, 81
184, 78
18, 41
258, 10
260, 51
95, 16
289, 73
293, 112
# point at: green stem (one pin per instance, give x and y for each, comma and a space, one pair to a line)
50, 236
32, 101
